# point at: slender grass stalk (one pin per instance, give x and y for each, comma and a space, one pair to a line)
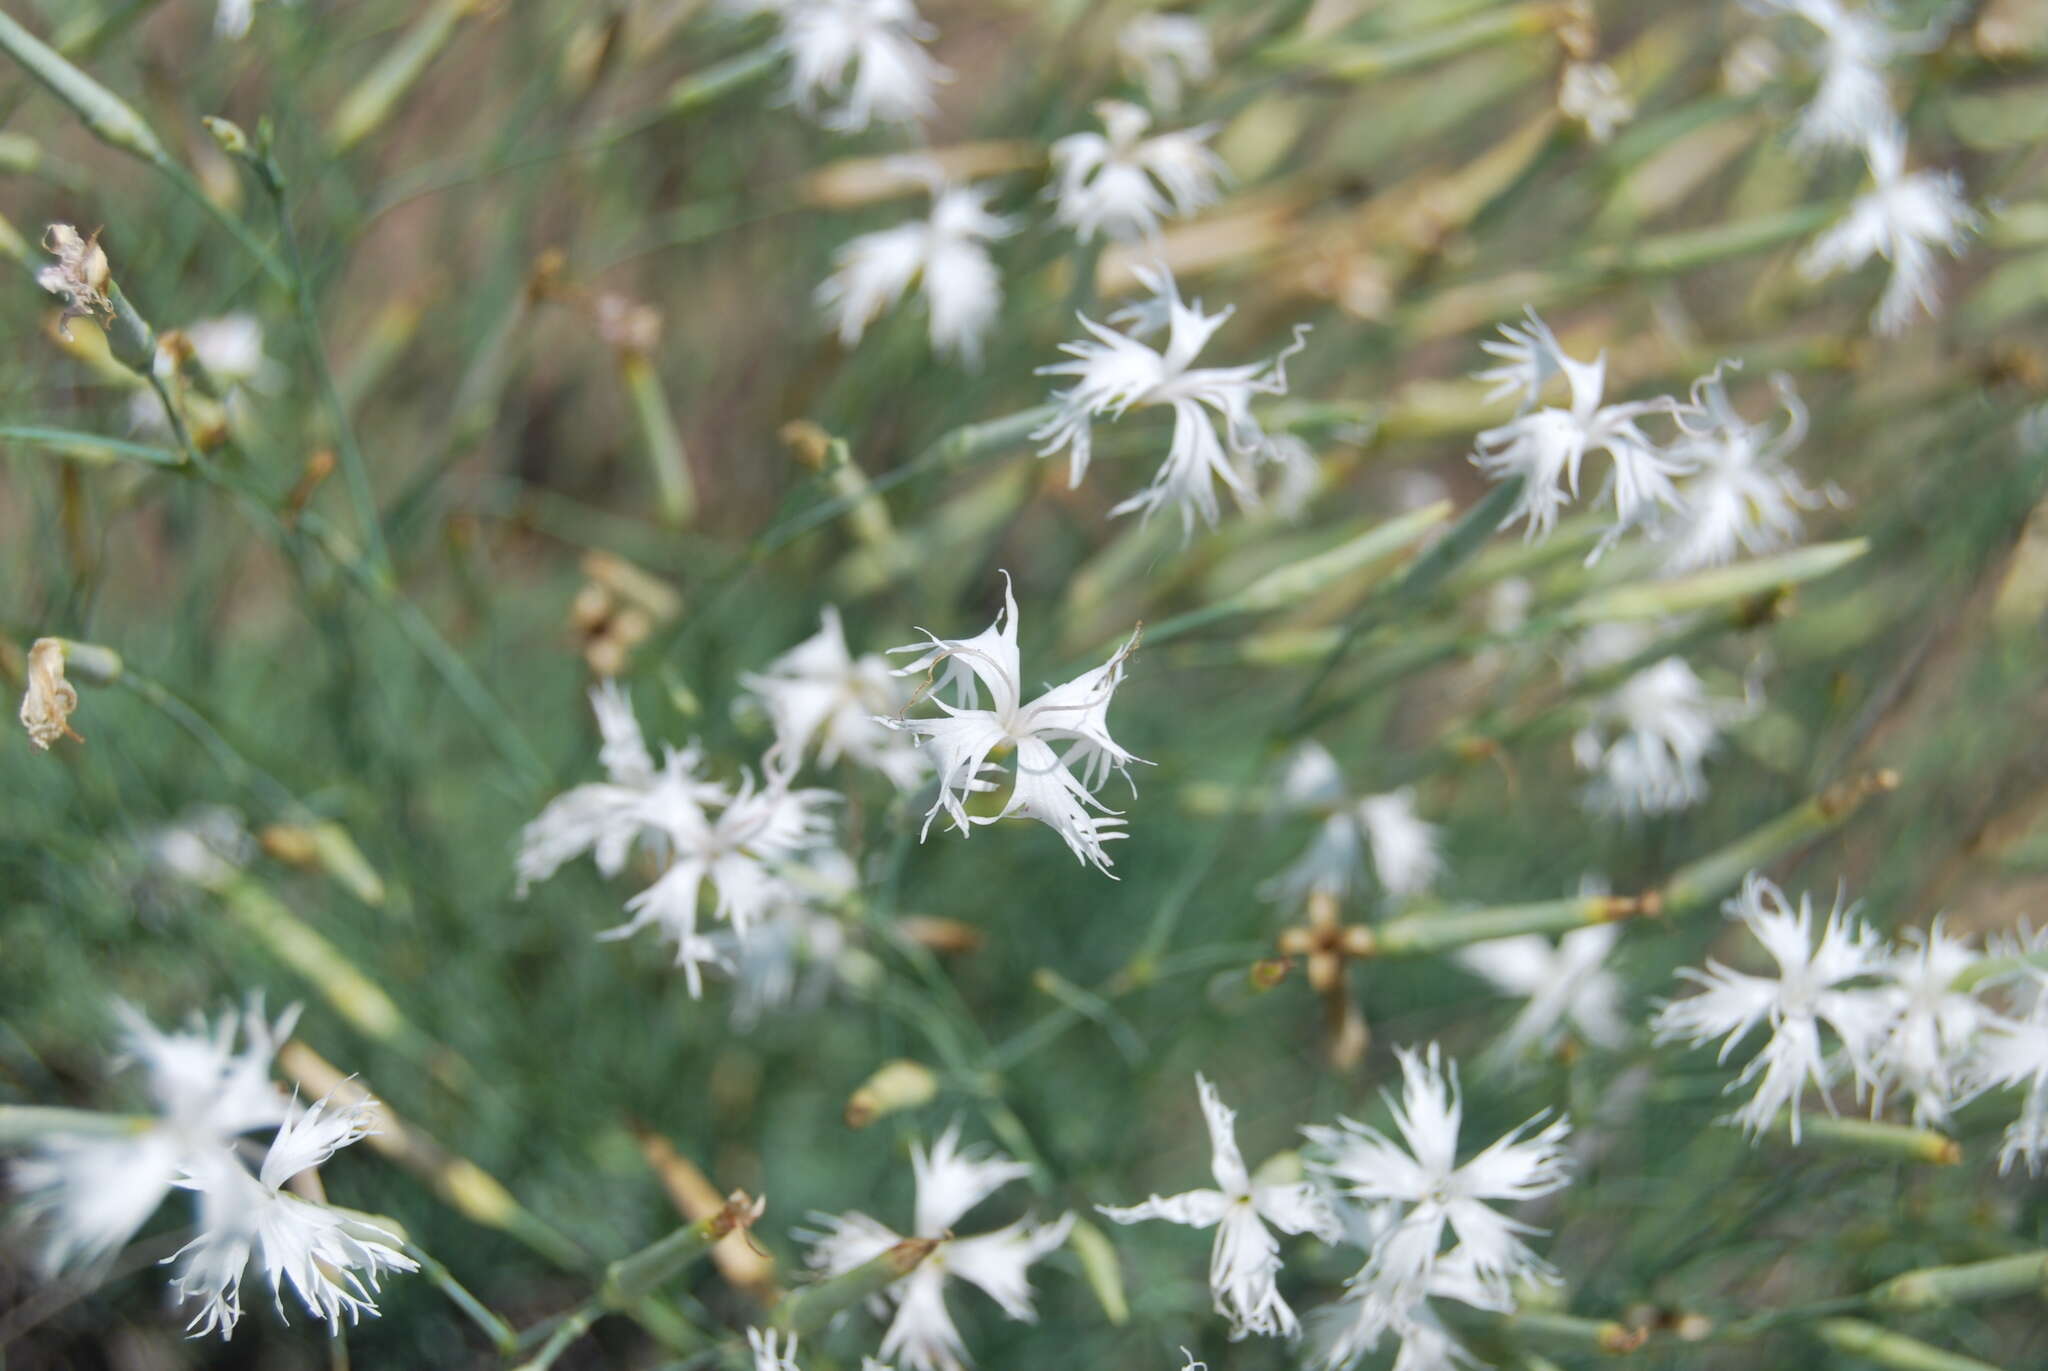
375, 98
1894, 1350
1873, 1138
492, 1326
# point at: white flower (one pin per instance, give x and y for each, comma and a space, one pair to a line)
607, 818
1121, 183
331, 1260
1165, 53
1435, 1196
1903, 219
1565, 983
1933, 1032
743, 849
1851, 106
860, 60
1591, 94
1739, 494
91, 1193
1116, 372
230, 350
2014, 1052
1547, 446
950, 1182
1401, 844
1342, 1332
819, 692
770, 1352
205, 846
946, 251
1647, 740
1059, 789
1809, 990
1245, 1259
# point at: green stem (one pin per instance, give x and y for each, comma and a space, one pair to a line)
1894, 1350
502, 1337
354, 468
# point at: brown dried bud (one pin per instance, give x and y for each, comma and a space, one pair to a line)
80, 274
809, 443
47, 706
627, 324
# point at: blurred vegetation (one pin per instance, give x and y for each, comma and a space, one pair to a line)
1402, 202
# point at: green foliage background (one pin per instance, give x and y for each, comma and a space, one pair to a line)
1924, 655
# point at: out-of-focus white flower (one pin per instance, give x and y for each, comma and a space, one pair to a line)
947, 252
853, 62
789, 959
1435, 1198
1166, 53
950, 1182
1740, 494
230, 350
331, 1260
819, 692
1115, 372
2014, 1052
1401, 844
1750, 65
1059, 789
1646, 742
1244, 1262
1591, 94
771, 1353
1811, 989
742, 853
1851, 105
1342, 1332
1121, 183
205, 847
1933, 1030
1902, 219
90, 1193
1546, 446
608, 817
1566, 984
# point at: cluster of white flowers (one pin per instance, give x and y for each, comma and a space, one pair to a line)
763, 853
1120, 183
1933, 1020
748, 846
1904, 216
951, 1181
1718, 485
1060, 740
1380, 831
1429, 1227
89, 1191
1117, 371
